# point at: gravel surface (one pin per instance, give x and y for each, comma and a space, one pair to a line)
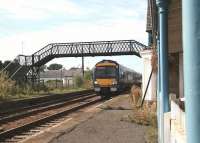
42, 114
105, 127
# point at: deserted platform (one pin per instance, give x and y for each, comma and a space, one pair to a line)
100, 123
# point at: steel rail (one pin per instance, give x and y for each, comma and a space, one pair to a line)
19, 130
27, 103
43, 104
36, 111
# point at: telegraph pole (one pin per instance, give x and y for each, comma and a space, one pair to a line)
83, 65
22, 44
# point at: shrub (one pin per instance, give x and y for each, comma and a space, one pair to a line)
88, 78
88, 74
6, 85
78, 81
87, 84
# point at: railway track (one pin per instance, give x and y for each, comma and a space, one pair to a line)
29, 104
20, 126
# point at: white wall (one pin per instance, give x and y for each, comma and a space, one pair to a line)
151, 92
47, 79
68, 81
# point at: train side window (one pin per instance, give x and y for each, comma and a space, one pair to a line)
122, 75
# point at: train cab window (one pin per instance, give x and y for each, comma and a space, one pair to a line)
102, 72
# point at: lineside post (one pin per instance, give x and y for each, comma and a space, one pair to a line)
83, 65
32, 72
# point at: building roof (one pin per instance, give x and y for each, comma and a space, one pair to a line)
61, 73
73, 72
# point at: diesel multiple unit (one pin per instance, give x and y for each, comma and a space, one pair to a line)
111, 77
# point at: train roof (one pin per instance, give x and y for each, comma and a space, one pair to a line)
120, 66
128, 69
109, 61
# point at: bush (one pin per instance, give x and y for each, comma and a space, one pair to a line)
78, 80
6, 85
88, 74
52, 84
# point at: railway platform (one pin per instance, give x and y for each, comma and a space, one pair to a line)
101, 122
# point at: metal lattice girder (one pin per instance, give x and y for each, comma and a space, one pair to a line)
79, 49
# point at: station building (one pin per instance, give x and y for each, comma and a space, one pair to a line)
60, 78
173, 28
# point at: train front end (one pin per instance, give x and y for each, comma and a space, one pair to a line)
105, 77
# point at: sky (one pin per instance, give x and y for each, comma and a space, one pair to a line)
26, 26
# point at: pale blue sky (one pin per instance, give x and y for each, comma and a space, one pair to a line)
31, 24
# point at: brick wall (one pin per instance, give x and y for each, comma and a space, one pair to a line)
174, 26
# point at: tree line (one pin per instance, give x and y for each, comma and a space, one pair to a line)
15, 65
17, 86
12, 68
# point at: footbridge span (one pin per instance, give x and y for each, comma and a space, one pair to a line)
78, 49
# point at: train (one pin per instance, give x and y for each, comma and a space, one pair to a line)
109, 77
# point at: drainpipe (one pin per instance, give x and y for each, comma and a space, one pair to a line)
191, 48
158, 94
164, 77
163, 92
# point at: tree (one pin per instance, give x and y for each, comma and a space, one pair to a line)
54, 67
6, 63
6, 85
88, 78
13, 66
78, 81
42, 68
15, 70
1, 65
88, 74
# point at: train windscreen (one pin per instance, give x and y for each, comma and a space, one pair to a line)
105, 72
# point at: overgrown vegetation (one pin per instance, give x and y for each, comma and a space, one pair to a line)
84, 82
6, 85
65, 90
78, 80
11, 90
52, 84
12, 68
145, 115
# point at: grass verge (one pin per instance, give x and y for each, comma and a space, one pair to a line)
34, 94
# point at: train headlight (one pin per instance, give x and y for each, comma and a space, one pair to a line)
114, 82
95, 82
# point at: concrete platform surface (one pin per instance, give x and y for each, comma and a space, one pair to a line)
100, 124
